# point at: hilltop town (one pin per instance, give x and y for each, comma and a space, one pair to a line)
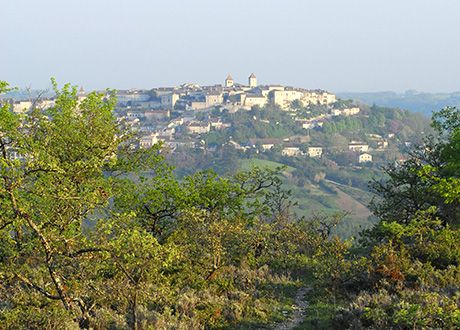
190, 116
327, 145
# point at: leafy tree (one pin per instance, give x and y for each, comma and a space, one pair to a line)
446, 176
52, 165
412, 255
428, 178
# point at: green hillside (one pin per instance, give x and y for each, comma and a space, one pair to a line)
324, 198
247, 164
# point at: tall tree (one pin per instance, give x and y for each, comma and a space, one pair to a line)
429, 178
52, 181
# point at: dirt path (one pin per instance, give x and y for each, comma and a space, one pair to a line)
299, 311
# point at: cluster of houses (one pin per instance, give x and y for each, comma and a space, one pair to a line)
300, 146
294, 147
178, 116
150, 111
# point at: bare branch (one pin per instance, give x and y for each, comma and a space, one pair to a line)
36, 287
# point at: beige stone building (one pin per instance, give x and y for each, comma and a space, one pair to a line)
216, 123
291, 151
21, 106
251, 100
198, 105
314, 152
252, 80
309, 97
265, 143
351, 111
157, 114
317, 97
364, 158
229, 82
25, 106
148, 141
382, 144
169, 100
308, 124
214, 98
284, 98
198, 127
345, 112
326, 98
336, 112
157, 92
266, 90
358, 147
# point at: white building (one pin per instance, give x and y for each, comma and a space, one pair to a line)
314, 151
359, 147
148, 141
291, 151
252, 80
198, 127
364, 158
169, 100
229, 82
350, 111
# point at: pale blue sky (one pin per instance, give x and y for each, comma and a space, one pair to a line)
339, 45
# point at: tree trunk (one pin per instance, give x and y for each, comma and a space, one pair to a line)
134, 311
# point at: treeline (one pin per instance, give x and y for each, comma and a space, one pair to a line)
98, 234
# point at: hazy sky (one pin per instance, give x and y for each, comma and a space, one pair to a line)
339, 45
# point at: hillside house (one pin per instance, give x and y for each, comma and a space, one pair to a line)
358, 147
265, 144
157, 114
169, 100
197, 105
314, 152
364, 158
22, 106
350, 111
196, 127
214, 98
237, 146
291, 151
383, 144
148, 141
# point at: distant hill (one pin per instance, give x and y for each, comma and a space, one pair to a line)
23, 94
411, 100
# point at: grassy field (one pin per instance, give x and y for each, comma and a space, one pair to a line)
313, 198
247, 164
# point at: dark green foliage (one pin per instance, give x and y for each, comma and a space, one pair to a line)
410, 261
429, 178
